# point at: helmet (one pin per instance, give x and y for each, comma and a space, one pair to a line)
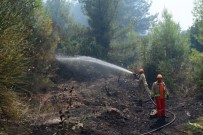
159, 76
141, 70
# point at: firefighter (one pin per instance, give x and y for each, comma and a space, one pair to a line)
142, 85
160, 92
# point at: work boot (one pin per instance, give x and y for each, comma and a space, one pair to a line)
157, 124
152, 117
161, 121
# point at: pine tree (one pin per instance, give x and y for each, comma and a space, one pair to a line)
169, 48
138, 11
101, 16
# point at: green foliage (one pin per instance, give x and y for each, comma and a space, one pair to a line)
26, 52
14, 63
197, 42
137, 10
169, 49
14, 53
73, 36
194, 32
44, 41
198, 34
196, 127
198, 11
196, 59
12, 107
123, 52
13, 31
75, 42
60, 15
198, 24
101, 16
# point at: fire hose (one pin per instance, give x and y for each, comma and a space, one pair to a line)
165, 125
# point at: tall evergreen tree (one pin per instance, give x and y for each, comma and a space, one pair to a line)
194, 32
169, 48
197, 42
18, 54
197, 29
101, 16
124, 51
72, 35
60, 14
138, 11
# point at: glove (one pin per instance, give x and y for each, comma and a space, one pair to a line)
136, 76
152, 98
167, 97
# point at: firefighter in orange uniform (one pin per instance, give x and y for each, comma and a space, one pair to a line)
160, 92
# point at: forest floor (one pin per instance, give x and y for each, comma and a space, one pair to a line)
107, 106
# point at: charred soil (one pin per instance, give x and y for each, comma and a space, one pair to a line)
105, 106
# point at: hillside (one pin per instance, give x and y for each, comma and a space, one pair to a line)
106, 106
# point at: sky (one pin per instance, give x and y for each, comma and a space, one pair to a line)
181, 10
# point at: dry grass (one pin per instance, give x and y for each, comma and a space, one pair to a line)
12, 110
11, 106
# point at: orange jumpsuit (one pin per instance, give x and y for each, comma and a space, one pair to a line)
159, 91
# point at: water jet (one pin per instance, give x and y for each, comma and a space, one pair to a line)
91, 66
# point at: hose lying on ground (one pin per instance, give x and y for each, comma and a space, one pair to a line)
165, 125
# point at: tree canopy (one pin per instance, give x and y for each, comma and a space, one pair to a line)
138, 11
101, 16
169, 48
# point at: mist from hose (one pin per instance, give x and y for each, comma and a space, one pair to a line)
91, 65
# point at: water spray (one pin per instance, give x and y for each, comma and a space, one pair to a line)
91, 64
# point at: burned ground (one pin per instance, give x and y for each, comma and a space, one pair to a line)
106, 106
